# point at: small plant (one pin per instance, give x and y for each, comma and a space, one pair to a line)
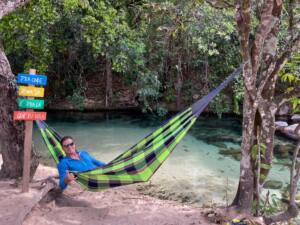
77, 100
238, 95
161, 111
269, 205
148, 92
219, 105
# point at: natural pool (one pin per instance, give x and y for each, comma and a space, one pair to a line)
195, 172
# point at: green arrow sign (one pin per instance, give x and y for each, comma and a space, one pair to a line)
30, 103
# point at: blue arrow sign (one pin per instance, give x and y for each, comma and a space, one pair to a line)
31, 79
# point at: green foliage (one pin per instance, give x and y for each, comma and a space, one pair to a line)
148, 91
238, 94
109, 34
254, 156
148, 43
216, 25
26, 34
268, 205
219, 105
77, 100
290, 76
170, 95
190, 35
161, 111
295, 101
254, 151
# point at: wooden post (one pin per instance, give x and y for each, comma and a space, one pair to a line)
27, 149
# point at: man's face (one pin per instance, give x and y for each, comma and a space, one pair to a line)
69, 146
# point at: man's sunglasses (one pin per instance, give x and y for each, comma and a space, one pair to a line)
68, 145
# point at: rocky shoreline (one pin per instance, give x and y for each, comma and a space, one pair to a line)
291, 129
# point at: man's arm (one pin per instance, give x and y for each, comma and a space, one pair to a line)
96, 162
64, 176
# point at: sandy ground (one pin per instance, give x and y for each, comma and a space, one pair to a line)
124, 205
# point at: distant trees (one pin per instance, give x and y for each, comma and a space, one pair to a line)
164, 50
170, 52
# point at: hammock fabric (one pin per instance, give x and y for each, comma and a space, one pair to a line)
140, 162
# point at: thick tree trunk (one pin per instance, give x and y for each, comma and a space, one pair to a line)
11, 132
109, 91
259, 93
244, 197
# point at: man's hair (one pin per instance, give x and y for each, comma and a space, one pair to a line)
65, 138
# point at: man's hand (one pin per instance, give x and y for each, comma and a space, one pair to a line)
69, 177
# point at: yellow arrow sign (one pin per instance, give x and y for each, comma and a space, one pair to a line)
29, 91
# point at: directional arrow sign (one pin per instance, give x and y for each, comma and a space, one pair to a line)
30, 103
31, 79
28, 91
24, 115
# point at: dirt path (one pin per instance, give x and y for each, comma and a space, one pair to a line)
116, 206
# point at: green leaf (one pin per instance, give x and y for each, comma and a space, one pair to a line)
254, 152
265, 166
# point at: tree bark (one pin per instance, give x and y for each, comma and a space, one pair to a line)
11, 132
109, 91
8, 6
259, 108
244, 197
178, 86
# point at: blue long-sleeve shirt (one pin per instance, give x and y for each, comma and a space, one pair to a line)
85, 163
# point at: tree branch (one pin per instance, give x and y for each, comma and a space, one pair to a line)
243, 19
267, 23
220, 4
282, 99
280, 62
5, 69
8, 6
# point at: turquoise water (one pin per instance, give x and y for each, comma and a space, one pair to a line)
195, 172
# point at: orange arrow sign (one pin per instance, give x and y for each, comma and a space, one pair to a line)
24, 115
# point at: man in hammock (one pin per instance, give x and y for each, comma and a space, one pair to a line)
78, 161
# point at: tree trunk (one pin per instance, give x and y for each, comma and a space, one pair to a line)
263, 58
11, 132
167, 64
178, 86
259, 107
244, 197
109, 91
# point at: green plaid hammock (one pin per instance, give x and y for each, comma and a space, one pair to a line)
139, 162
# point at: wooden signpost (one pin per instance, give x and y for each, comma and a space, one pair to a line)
29, 115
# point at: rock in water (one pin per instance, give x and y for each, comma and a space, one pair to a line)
273, 184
